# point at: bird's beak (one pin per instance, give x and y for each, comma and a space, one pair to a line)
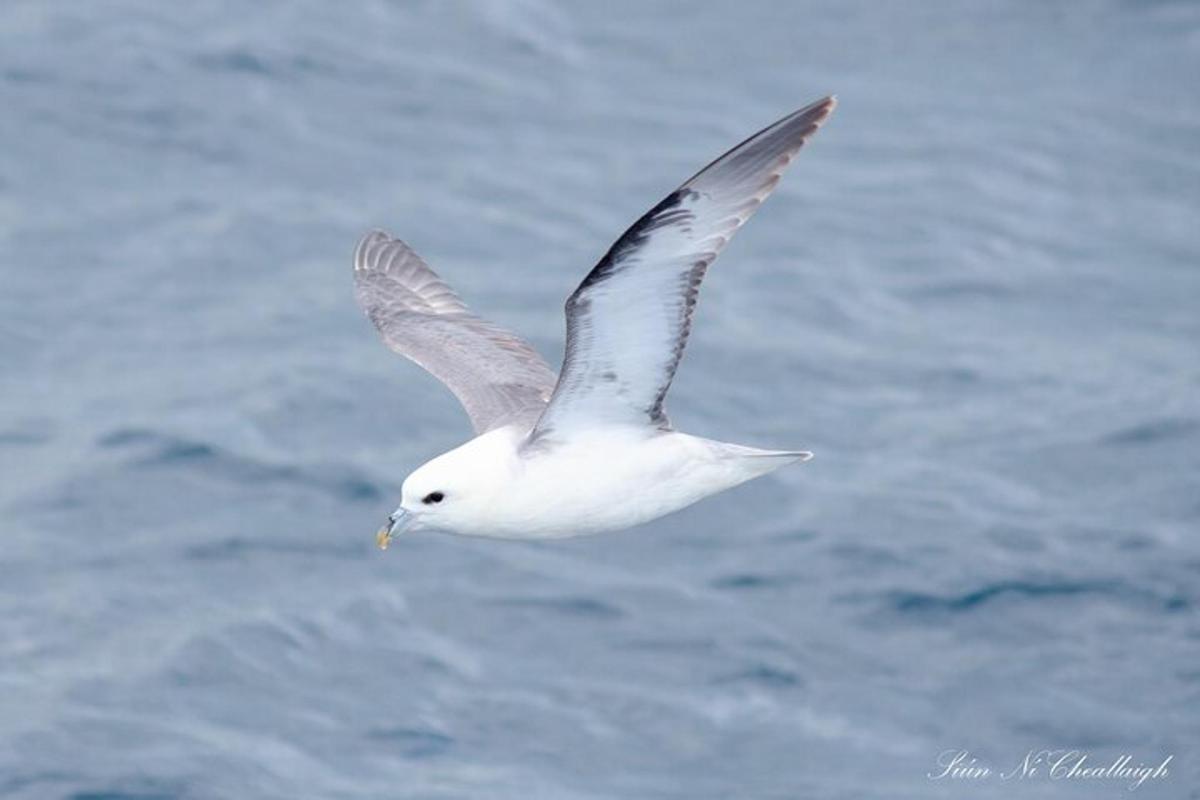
397, 523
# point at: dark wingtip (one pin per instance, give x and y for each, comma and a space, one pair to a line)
821, 110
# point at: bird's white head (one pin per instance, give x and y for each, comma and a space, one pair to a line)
451, 493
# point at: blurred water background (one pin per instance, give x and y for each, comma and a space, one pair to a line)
975, 297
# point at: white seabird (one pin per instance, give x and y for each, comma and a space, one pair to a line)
591, 450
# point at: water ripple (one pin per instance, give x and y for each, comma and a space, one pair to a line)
154, 451
922, 602
575, 606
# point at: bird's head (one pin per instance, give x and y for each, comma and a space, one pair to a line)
450, 493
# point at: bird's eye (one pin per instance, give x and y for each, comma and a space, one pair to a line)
433, 497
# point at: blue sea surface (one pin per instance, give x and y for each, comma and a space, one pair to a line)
975, 296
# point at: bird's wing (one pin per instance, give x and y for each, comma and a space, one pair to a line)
628, 321
497, 376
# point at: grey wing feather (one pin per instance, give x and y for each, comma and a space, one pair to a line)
497, 376
628, 321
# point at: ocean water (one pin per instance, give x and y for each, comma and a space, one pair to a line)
976, 297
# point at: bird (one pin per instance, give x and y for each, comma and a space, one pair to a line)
591, 449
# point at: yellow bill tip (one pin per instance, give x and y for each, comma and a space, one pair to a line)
382, 538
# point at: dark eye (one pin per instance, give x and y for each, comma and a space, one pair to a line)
433, 497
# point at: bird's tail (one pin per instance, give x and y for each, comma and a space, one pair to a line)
759, 462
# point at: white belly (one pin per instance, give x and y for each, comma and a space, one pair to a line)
610, 481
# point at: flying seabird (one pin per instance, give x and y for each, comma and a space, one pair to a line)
592, 449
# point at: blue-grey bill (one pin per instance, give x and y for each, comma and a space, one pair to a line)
396, 524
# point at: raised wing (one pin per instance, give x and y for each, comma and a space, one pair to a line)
494, 373
628, 322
